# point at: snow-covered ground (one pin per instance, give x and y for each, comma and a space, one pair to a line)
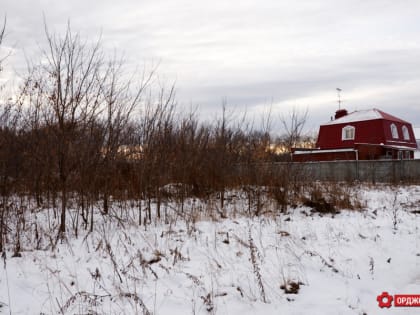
238, 265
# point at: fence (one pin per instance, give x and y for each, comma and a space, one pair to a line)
366, 171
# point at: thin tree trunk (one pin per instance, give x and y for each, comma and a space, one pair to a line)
91, 218
106, 204
140, 212
62, 229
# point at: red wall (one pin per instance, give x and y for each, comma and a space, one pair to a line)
372, 131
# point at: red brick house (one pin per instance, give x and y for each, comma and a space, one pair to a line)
361, 135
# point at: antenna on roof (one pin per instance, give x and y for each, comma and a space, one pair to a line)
339, 97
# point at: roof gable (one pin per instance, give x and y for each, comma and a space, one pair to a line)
364, 115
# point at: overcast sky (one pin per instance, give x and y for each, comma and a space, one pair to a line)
255, 54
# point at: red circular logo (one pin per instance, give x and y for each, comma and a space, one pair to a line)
384, 300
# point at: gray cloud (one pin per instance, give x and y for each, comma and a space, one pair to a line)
254, 53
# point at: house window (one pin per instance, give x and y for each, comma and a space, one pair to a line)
348, 133
394, 131
407, 155
406, 135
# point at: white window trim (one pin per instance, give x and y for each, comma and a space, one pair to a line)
394, 131
344, 132
406, 135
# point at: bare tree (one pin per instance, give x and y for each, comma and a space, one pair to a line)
10, 156
122, 97
221, 167
293, 125
66, 96
287, 179
158, 126
4, 118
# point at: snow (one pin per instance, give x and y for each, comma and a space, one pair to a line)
204, 265
362, 115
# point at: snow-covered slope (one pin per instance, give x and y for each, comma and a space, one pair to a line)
338, 264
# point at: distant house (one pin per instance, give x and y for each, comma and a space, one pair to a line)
361, 135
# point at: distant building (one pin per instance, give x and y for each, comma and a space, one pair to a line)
361, 135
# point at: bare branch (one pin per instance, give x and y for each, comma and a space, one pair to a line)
293, 126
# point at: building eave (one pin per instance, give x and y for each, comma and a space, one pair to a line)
388, 146
320, 151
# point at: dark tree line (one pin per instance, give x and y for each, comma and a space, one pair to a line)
85, 130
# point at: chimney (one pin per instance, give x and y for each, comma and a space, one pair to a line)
340, 113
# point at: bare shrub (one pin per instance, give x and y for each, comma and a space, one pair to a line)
255, 265
330, 197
